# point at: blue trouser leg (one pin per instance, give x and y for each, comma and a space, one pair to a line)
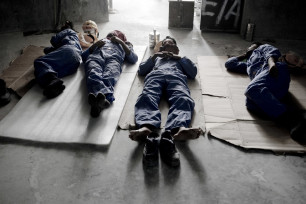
146, 107
264, 94
41, 69
180, 101
61, 62
111, 75
94, 74
251, 106
102, 75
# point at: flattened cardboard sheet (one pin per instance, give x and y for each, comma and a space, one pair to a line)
21, 71
257, 135
227, 117
127, 117
66, 118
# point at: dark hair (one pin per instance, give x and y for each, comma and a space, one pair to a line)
67, 25
257, 43
168, 37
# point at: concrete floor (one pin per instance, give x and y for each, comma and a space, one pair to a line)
211, 171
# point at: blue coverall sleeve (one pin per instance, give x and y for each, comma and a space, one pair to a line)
146, 67
234, 65
85, 55
132, 57
56, 39
270, 51
189, 68
47, 50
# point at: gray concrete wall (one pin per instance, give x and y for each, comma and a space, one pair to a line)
16, 15
82, 10
31, 15
275, 19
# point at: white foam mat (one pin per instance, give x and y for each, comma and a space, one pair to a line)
66, 118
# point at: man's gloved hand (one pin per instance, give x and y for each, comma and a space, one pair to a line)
273, 71
47, 50
176, 57
95, 46
115, 39
171, 55
159, 54
165, 54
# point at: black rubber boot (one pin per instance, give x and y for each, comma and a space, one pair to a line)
54, 88
150, 150
5, 96
295, 122
97, 103
168, 151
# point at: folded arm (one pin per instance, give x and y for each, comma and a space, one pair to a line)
146, 66
56, 41
189, 68
234, 64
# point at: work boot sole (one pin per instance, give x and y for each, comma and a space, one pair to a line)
54, 89
97, 104
5, 99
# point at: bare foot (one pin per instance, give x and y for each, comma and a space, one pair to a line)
188, 133
140, 134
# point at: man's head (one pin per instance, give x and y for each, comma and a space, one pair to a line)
90, 27
118, 34
169, 44
293, 60
168, 40
67, 25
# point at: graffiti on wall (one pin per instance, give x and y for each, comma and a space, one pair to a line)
222, 10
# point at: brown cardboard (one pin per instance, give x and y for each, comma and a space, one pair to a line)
227, 117
20, 72
127, 117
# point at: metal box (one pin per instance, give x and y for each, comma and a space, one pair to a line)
181, 14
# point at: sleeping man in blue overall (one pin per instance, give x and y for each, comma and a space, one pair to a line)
62, 59
269, 86
103, 66
166, 74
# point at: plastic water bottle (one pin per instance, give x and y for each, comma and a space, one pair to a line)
153, 38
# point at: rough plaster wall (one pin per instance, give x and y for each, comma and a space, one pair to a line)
27, 15
82, 10
31, 15
275, 19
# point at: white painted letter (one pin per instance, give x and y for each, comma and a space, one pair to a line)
205, 3
231, 12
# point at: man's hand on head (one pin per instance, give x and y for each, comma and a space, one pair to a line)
115, 39
128, 43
